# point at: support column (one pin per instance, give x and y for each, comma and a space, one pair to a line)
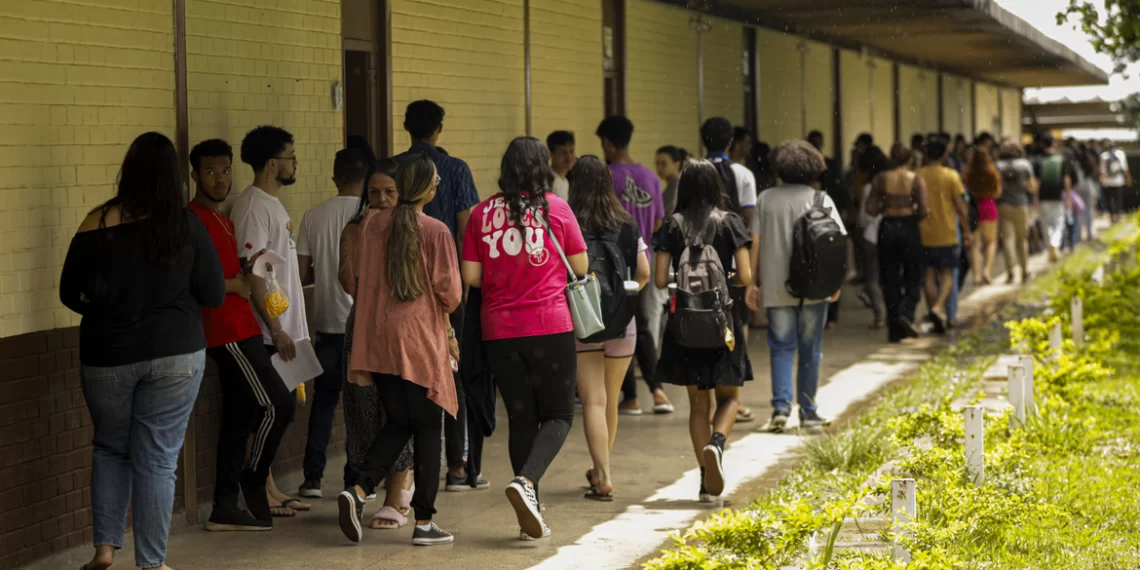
526, 64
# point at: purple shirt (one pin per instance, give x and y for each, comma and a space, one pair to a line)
640, 192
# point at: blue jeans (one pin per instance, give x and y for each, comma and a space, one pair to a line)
326, 396
792, 330
139, 412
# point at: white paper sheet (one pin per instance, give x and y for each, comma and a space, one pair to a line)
267, 258
301, 369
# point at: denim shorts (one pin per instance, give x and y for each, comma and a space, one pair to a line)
947, 257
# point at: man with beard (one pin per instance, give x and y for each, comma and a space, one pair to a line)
250, 386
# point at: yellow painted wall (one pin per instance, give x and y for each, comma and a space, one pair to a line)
566, 69
957, 109
918, 102
466, 55
661, 79
779, 105
250, 66
855, 111
987, 111
724, 78
77, 84
883, 103
1011, 113
820, 92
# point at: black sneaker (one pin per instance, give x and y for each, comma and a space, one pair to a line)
310, 489
431, 536
704, 495
778, 422
812, 420
714, 470
233, 519
525, 502
460, 483
351, 513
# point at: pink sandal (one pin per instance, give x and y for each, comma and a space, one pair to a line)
388, 515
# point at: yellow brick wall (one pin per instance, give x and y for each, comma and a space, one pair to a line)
466, 55
661, 79
248, 65
987, 115
820, 92
1011, 113
77, 84
566, 70
779, 106
724, 78
883, 103
855, 78
957, 109
918, 102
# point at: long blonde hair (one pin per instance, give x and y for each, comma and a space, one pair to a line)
415, 179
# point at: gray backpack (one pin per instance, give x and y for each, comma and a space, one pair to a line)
700, 304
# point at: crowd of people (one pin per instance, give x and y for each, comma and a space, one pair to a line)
430, 302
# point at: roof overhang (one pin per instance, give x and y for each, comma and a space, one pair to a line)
971, 38
1074, 115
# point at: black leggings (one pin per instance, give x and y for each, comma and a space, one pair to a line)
410, 414
537, 377
900, 267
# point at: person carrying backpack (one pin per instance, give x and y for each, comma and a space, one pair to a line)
617, 258
802, 265
704, 347
1056, 175
1114, 177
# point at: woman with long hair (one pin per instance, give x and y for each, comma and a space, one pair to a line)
138, 270
1019, 189
517, 247
899, 197
714, 373
363, 411
602, 366
669, 160
407, 285
984, 184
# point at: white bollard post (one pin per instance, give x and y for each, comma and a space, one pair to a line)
1017, 396
974, 417
1098, 275
1028, 390
904, 508
1055, 337
1077, 313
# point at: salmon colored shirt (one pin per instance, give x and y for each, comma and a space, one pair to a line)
409, 339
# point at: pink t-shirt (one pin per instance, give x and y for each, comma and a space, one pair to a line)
524, 279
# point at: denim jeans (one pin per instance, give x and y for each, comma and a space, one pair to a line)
326, 396
139, 412
793, 330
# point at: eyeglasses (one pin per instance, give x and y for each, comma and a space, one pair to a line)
438, 180
293, 158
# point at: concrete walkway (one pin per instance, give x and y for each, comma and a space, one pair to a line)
654, 469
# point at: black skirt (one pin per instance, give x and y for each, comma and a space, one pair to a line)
705, 369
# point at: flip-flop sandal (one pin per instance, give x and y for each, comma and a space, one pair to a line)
744, 415
589, 479
296, 505
388, 514
282, 511
595, 495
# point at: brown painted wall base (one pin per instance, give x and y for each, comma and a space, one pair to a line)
45, 446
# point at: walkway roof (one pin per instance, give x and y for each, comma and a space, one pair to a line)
972, 38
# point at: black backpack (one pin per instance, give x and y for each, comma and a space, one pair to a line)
728, 180
819, 254
607, 263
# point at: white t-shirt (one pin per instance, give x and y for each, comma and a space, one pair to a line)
319, 239
870, 224
261, 222
745, 184
1114, 160
561, 187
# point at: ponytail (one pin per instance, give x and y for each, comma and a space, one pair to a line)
415, 179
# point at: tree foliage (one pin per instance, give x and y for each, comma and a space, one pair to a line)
1115, 31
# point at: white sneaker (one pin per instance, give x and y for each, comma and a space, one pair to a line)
525, 502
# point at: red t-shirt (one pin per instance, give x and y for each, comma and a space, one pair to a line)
234, 320
524, 279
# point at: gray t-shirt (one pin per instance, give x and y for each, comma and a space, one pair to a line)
777, 210
1015, 176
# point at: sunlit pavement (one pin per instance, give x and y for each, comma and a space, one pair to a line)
654, 472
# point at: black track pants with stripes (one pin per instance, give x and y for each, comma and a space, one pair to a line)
253, 400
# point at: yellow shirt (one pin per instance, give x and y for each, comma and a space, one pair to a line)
943, 185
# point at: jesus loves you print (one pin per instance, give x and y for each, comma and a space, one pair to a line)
504, 237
